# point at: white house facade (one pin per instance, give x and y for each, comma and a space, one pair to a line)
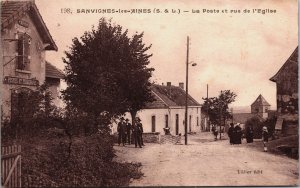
168, 111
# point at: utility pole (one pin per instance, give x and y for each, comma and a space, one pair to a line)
232, 115
208, 126
186, 90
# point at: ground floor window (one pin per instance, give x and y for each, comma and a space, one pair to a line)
153, 123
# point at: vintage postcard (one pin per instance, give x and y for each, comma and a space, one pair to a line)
149, 93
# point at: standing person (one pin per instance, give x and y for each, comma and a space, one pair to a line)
141, 130
128, 130
121, 131
136, 133
265, 136
215, 131
238, 134
231, 133
249, 134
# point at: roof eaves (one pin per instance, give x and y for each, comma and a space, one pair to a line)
274, 78
52, 45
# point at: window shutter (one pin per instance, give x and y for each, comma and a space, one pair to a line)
27, 42
20, 64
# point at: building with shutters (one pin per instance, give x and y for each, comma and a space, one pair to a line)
24, 42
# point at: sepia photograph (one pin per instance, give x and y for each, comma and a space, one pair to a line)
134, 93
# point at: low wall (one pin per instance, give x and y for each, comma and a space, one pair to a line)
151, 137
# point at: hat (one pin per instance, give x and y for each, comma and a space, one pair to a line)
126, 119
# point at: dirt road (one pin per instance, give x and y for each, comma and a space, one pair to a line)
204, 162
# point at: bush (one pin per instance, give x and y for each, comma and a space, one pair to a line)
85, 161
257, 125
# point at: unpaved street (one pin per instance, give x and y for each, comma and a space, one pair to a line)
205, 162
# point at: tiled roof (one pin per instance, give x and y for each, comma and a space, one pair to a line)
261, 101
53, 72
293, 59
169, 96
11, 11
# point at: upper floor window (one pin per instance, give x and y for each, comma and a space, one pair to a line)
23, 49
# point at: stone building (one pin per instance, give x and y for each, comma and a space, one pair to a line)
24, 42
260, 107
286, 80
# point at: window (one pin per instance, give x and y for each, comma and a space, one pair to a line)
266, 110
153, 123
190, 124
166, 121
197, 121
23, 50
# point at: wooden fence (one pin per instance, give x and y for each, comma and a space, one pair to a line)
11, 166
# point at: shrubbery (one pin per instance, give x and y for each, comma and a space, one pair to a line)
64, 149
258, 124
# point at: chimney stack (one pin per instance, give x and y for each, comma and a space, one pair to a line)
169, 84
181, 85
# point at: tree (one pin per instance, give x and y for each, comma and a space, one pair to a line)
107, 74
218, 110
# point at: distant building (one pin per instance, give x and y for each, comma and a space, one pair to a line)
259, 108
168, 111
286, 80
24, 42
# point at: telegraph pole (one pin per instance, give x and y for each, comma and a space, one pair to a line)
208, 126
186, 90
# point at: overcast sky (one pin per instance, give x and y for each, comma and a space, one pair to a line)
235, 51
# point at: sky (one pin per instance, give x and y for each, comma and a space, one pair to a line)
235, 51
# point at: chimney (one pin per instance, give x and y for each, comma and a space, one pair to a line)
181, 85
169, 84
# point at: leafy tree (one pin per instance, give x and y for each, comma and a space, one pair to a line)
107, 74
218, 110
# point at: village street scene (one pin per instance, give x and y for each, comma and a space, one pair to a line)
140, 93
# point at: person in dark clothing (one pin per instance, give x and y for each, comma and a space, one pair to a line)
265, 136
231, 133
128, 131
121, 131
249, 134
237, 134
136, 133
215, 131
140, 125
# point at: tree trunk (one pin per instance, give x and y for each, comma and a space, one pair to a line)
133, 114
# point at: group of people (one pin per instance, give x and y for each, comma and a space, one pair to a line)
126, 131
235, 134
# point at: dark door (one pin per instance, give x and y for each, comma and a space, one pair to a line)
166, 121
177, 124
190, 123
153, 123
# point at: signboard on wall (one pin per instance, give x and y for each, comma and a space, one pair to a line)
20, 81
